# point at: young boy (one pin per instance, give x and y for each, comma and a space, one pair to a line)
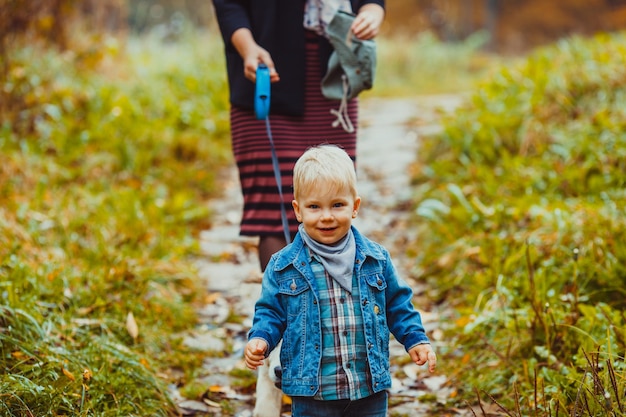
333, 296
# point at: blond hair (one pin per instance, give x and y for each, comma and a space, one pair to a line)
324, 164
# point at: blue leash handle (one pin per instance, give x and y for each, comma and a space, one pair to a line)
262, 92
262, 111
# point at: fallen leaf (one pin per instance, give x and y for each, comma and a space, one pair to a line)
131, 326
211, 403
212, 298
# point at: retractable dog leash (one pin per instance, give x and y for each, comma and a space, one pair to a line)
262, 111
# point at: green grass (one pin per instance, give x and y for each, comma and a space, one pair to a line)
108, 164
520, 205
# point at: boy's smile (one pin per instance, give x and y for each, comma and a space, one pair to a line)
326, 212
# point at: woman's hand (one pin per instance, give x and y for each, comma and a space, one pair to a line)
367, 23
252, 54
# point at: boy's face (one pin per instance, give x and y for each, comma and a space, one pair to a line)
326, 213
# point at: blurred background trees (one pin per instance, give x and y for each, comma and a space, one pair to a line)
515, 25
84, 27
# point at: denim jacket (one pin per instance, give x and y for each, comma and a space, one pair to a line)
288, 308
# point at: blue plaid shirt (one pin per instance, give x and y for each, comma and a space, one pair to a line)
344, 372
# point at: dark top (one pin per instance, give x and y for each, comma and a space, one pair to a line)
277, 25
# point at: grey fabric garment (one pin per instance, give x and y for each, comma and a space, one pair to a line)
338, 260
353, 60
318, 13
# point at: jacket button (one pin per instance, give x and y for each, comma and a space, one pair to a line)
365, 302
379, 282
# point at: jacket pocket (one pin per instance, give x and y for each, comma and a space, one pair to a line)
376, 282
295, 293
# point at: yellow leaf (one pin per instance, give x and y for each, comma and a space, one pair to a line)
131, 326
144, 362
463, 321
212, 298
87, 374
69, 374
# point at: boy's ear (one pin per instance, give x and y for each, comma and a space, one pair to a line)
357, 204
296, 209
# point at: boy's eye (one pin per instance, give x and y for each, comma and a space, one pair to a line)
313, 206
338, 205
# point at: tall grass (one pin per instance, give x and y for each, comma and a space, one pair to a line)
521, 206
108, 159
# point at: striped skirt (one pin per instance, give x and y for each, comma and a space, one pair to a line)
291, 136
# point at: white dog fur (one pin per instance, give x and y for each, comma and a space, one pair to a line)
269, 399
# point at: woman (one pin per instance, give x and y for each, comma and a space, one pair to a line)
287, 36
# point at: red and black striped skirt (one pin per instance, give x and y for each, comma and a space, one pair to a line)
291, 136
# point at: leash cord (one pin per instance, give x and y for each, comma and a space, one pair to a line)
279, 183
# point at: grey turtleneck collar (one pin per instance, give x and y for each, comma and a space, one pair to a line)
337, 259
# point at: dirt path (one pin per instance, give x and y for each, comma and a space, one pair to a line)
388, 141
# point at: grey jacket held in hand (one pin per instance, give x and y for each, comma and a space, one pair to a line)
352, 65
288, 309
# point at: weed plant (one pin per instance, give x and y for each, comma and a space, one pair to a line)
109, 154
521, 206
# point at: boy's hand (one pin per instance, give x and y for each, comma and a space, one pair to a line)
254, 353
423, 353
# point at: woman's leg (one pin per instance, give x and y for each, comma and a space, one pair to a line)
269, 245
